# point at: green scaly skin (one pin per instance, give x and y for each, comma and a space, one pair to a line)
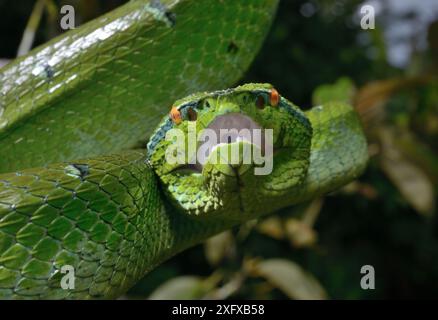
107, 216
103, 87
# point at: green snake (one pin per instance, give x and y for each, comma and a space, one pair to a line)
95, 92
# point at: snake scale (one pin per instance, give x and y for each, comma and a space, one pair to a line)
95, 92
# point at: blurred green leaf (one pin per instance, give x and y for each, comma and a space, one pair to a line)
31, 28
272, 226
218, 247
342, 90
181, 288
290, 278
410, 180
419, 153
233, 285
300, 233
372, 97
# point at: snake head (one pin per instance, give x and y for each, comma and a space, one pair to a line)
231, 154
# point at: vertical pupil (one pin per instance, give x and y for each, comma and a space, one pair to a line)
260, 102
192, 114
229, 139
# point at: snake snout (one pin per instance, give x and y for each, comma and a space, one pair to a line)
233, 128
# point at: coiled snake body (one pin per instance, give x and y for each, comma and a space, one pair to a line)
98, 90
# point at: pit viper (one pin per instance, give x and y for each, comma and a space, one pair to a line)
96, 93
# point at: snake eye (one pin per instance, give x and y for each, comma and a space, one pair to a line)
274, 98
192, 114
260, 102
175, 115
202, 103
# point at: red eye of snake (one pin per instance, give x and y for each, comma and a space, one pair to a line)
175, 115
274, 98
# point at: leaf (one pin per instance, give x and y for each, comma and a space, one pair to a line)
364, 189
300, 233
419, 153
273, 227
312, 211
233, 285
343, 90
371, 98
298, 228
410, 180
180, 288
31, 28
290, 278
218, 247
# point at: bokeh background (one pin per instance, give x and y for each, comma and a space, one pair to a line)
316, 51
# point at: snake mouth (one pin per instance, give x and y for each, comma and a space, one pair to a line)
227, 129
